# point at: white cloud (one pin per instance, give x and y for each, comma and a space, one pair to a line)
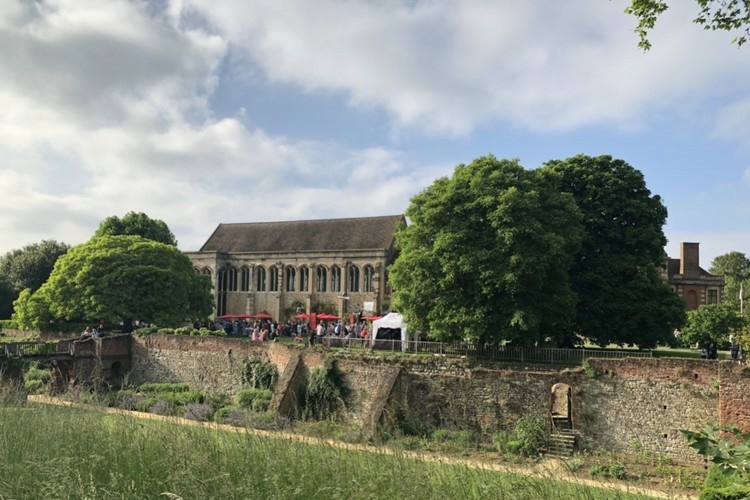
449, 67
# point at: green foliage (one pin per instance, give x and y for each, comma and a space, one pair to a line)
414, 428
29, 268
486, 255
726, 446
163, 387
260, 373
712, 322
325, 393
528, 438
735, 267
137, 224
621, 298
721, 486
611, 469
121, 278
255, 399
33, 386
724, 15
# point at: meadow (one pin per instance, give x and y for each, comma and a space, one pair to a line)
55, 452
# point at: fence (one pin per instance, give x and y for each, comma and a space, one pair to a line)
27, 349
546, 355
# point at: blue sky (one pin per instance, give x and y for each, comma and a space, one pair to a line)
199, 112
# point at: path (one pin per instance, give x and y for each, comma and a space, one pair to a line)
548, 469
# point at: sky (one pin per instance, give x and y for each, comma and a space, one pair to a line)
202, 112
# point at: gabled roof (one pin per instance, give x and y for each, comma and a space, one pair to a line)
363, 233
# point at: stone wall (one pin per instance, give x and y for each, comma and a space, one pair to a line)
641, 404
620, 405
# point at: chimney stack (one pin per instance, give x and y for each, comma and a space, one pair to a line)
689, 259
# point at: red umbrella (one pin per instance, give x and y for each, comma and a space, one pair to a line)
327, 317
371, 318
228, 316
302, 316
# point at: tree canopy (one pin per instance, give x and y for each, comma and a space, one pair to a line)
724, 15
735, 267
621, 298
711, 322
119, 278
486, 256
572, 250
28, 267
137, 224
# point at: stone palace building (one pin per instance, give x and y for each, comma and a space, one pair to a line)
285, 268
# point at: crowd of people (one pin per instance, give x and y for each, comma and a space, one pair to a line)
269, 330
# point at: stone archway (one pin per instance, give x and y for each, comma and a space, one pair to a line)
560, 399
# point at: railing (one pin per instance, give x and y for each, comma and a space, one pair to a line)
546, 355
29, 349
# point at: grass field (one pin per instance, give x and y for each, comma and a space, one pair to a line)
52, 452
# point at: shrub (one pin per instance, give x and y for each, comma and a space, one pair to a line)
260, 374
199, 411
161, 408
269, 421
611, 469
414, 428
144, 404
148, 330
163, 387
255, 399
325, 393
33, 386
35, 372
224, 415
453, 436
531, 433
128, 400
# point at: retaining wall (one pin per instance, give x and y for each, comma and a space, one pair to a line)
619, 405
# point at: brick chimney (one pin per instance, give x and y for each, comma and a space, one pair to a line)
689, 258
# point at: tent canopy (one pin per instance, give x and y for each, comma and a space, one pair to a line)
390, 327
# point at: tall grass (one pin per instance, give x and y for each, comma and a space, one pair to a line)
53, 452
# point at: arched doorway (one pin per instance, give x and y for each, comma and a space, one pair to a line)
560, 406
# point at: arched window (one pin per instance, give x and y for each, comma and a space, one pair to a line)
369, 285
353, 278
335, 279
273, 282
206, 271
198, 271
291, 277
232, 279
322, 278
245, 279
304, 279
260, 282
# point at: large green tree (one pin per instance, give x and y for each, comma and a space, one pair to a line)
137, 224
621, 298
27, 267
120, 278
724, 15
712, 322
486, 256
735, 267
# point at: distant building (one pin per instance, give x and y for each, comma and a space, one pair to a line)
695, 285
285, 268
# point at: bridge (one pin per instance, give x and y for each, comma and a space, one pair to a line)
37, 350
104, 358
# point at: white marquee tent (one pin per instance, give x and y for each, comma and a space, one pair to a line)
390, 327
